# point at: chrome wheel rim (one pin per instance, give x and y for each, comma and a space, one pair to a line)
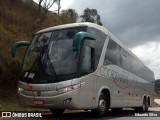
102, 105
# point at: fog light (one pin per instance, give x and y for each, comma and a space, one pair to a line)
67, 101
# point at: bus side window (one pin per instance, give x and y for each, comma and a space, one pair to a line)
87, 61
107, 62
100, 39
124, 60
112, 56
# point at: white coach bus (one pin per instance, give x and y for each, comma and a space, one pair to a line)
82, 66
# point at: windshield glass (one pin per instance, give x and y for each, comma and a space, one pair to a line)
51, 54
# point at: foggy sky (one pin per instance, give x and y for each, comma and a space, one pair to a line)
134, 22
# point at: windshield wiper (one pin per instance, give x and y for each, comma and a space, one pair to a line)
47, 62
42, 62
53, 72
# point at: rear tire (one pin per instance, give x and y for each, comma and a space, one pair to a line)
102, 106
57, 112
144, 107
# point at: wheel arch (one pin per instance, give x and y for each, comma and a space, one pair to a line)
106, 92
149, 100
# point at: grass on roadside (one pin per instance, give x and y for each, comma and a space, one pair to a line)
9, 101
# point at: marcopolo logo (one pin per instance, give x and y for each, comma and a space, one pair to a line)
121, 78
109, 73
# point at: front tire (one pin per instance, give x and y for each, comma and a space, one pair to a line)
102, 106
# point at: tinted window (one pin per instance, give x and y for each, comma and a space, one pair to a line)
124, 59
116, 55
100, 39
112, 53
86, 66
137, 68
133, 65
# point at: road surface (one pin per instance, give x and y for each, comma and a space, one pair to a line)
153, 114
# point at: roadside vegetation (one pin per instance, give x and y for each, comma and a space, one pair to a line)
9, 101
16, 23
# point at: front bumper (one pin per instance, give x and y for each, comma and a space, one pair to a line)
57, 102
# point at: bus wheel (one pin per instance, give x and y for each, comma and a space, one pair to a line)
144, 107
102, 106
57, 112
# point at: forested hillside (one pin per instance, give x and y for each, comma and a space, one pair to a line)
17, 22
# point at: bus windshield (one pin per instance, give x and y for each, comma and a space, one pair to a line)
51, 54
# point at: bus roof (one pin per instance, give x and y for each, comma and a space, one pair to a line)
87, 24
81, 24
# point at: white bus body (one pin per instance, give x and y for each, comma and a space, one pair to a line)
107, 74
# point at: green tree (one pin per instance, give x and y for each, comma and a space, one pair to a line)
91, 15
68, 16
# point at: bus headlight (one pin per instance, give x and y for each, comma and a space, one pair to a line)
67, 89
73, 87
20, 89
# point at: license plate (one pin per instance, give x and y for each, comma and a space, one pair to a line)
38, 102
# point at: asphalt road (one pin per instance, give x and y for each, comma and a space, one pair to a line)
83, 115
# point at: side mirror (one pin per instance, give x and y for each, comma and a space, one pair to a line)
18, 44
79, 37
